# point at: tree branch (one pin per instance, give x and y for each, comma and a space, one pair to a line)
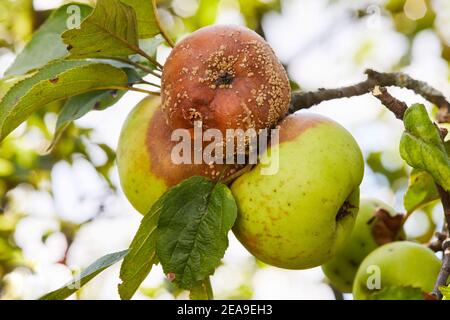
436, 245
445, 197
397, 107
444, 273
304, 100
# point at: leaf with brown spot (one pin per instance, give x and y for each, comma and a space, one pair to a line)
109, 31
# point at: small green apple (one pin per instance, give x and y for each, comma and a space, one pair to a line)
341, 269
400, 265
301, 215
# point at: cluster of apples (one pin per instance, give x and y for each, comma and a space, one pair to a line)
302, 216
377, 249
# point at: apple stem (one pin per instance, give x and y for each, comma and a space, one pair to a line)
236, 175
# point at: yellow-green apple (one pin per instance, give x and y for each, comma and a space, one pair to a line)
144, 157
377, 223
301, 215
400, 265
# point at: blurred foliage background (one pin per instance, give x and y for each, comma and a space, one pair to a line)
61, 210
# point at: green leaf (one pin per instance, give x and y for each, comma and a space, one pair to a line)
201, 290
206, 13
399, 293
445, 292
142, 256
46, 44
76, 107
192, 229
146, 20
422, 148
110, 31
87, 275
254, 10
421, 190
54, 82
8, 82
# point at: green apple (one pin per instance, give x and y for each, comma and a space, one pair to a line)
341, 269
302, 214
401, 265
146, 169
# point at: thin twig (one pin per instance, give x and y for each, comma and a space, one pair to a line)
397, 107
155, 93
445, 197
142, 81
304, 100
444, 273
237, 174
158, 22
139, 66
149, 58
436, 245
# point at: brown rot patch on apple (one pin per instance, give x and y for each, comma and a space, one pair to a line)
345, 210
226, 76
159, 148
